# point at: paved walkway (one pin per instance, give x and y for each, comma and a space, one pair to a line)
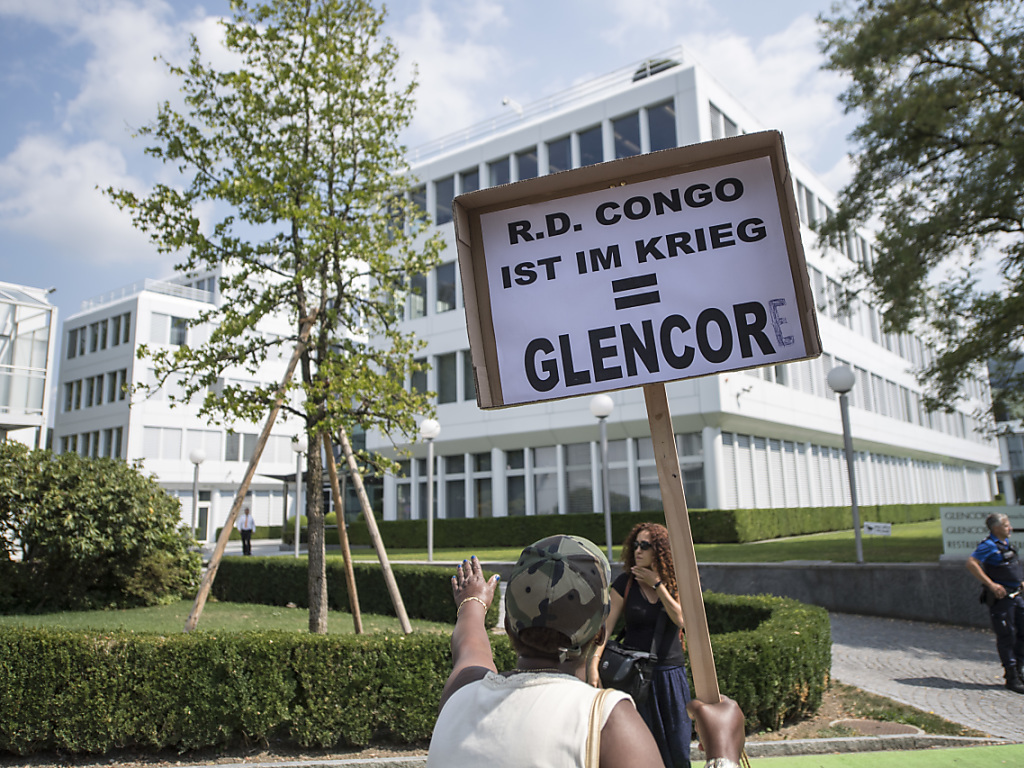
951, 671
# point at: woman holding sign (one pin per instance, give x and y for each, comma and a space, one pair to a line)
645, 594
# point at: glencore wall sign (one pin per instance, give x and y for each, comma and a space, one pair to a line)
654, 268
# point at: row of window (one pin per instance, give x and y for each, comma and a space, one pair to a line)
95, 390
97, 336
554, 479
452, 377
100, 443
645, 130
176, 444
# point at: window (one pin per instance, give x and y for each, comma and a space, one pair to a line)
103, 335
526, 164
116, 448
122, 384
94, 337
559, 155
444, 192
115, 330
239, 446
81, 340
626, 130
418, 198
179, 331
419, 377
126, 325
515, 483
498, 172
591, 146
78, 394
468, 380
112, 386
470, 180
161, 443
717, 131
447, 378
545, 480
445, 287
69, 394
578, 478
661, 124
455, 486
417, 296
482, 485
89, 386
72, 343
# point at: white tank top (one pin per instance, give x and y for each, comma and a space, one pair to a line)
531, 719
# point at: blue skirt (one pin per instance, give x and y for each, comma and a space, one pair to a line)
665, 714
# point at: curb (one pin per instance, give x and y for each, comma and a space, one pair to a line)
754, 749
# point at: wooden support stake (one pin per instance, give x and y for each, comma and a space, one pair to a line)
677, 520
225, 533
339, 505
371, 523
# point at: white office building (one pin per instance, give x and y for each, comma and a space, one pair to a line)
28, 334
770, 437
99, 414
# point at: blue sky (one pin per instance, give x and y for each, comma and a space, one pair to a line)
76, 76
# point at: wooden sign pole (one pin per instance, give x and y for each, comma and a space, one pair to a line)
677, 521
339, 505
378, 542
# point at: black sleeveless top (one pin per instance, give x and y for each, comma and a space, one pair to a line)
641, 618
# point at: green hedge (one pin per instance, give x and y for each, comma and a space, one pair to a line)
90, 692
330, 529
709, 526
426, 590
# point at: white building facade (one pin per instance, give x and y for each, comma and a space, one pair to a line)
100, 414
770, 437
28, 335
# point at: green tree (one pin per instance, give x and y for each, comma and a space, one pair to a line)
938, 86
92, 532
296, 153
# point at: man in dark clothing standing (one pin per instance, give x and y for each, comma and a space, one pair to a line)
996, 564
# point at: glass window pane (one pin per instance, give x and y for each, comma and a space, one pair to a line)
468, 381
559, 155
418, 197
650, 490
581, 498
179, 331
545, 457
516, 496
617, 451
454, 465
481, 462
514, 459
618, 487
661, 122
455, 499
545, 489
417, 296
627, 135
445, 287
591, 149
499, 172
526, 164
419, 378
470, 180
484, 505
444, 192
577, 455
447, 378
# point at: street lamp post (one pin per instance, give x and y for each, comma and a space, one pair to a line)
841, 380
429, 429
197, 456
300, 444
602, 406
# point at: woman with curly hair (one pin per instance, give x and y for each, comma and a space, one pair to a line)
646, 596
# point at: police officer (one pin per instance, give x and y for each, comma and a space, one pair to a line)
995, 564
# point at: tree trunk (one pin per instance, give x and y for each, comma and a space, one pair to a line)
317, 574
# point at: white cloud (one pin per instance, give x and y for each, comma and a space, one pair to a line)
51, 191
453, 68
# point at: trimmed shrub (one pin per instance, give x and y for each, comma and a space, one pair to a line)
260, 532
709, 526
89, 692
425, 589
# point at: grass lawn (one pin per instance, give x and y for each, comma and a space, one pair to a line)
217, 617
959, 757
909, 543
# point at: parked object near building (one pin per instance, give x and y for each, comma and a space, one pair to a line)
766, 437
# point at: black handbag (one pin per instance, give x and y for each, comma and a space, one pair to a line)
628, 670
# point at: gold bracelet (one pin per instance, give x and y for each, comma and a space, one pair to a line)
458, 611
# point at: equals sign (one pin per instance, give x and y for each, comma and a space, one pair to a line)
632, 284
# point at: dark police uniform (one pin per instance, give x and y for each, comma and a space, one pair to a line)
1003, 565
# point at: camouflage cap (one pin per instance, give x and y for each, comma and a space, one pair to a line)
560, 582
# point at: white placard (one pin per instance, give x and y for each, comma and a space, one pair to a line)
663, 279
878, 529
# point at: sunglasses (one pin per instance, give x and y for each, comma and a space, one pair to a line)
644, 545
